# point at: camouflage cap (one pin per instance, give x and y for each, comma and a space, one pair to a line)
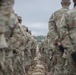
65, 1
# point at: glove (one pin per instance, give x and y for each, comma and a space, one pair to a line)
61, 48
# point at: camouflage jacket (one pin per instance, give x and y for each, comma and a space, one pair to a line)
68, 28
54, 23
68, 36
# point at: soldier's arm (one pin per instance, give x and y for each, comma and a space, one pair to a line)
53, 29
64, 27
51, 23
64, 32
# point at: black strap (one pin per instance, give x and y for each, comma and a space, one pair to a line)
61, 48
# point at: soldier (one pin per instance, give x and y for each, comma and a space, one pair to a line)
54, 21
17, 44
5, 12
68, 36
31, 47
39, 69
56, 58
9, 52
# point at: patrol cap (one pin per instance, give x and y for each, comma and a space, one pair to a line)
65, 1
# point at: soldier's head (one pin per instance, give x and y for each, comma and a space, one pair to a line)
74, 1
19, 19
26, 29
29, 32
65, 2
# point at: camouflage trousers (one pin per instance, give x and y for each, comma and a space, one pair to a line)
70, 68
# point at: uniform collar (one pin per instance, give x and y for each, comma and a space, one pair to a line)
65, 7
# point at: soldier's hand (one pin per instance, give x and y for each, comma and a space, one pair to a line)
61, 48
58, 43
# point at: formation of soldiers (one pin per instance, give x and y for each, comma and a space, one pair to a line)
17, 45
20, 52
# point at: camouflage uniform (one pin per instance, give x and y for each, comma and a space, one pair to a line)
18, 45
5, 11
43, 47
67, 30
48, 49
55, 56
9, 53
31, 49
21, 42
54, 23
12, 61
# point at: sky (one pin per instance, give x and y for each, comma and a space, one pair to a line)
36, 13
